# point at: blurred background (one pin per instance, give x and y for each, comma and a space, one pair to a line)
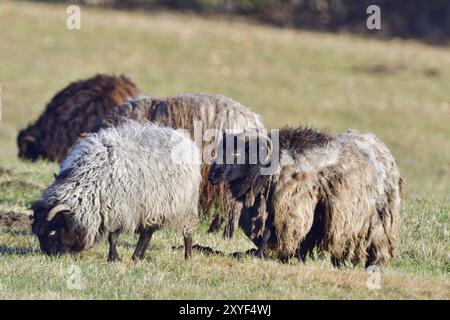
428, 20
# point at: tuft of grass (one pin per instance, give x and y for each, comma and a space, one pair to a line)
424, 238
396, 89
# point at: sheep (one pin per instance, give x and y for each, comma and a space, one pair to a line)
133, 178
71, 113
338, 194
213, 112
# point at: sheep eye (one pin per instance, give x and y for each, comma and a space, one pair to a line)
52, 233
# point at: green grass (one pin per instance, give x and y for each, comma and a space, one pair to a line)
397, 89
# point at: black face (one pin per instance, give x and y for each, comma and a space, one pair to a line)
27, 146
238, 166
55, 237
50, 242
222, 173
226, 166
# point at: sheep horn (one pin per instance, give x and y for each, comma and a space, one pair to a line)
55, 210
30, 138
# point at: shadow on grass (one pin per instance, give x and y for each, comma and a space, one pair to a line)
208, 251
19, 250
17, 232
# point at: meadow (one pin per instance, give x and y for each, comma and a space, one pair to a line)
398, 89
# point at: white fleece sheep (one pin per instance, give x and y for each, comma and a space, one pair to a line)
136, 177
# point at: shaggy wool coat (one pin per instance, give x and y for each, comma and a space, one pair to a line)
71, 113
213, 112
341, 194
126, 178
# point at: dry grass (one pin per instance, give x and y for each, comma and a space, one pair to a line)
25, 273
397, 89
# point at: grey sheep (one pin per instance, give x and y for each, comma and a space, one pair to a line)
215, 112
133, 178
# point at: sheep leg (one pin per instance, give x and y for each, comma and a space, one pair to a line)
263, 244
144, 239
336, 262
113, 256
216, 224
373, 260
301, 254
187, 246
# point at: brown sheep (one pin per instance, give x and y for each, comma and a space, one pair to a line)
214, 112
70, 113
340, 194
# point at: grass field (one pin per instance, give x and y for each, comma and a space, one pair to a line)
399, 90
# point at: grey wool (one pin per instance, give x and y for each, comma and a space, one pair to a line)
131, 178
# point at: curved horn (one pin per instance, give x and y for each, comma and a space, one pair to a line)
55, 210
29, 138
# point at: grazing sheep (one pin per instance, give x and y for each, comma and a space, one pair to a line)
179, 112
341, 194
70, 113
133, 178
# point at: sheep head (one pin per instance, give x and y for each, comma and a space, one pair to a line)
54, 227
238, 162
27, 144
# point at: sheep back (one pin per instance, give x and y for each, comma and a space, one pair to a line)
363, 193
72, 112
214, 112
338, 194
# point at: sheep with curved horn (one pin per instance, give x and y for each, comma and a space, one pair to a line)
133, 178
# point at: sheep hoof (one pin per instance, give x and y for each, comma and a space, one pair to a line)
114, 258
216, 224
137, 258
258, 254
